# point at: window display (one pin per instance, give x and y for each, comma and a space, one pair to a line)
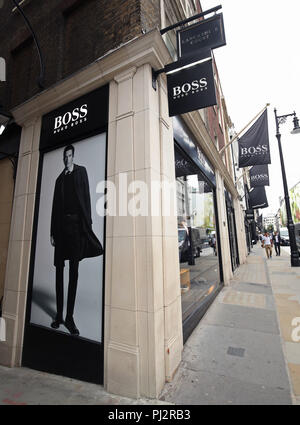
197, 242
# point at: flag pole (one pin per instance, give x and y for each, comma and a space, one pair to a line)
244, 173
237, 136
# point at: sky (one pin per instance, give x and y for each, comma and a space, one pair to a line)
261, 64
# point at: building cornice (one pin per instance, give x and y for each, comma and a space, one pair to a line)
146, 49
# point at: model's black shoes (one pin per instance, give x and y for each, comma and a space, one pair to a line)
57, 322
70, 325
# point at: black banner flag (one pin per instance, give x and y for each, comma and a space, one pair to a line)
259, 176
254, 146
258, 198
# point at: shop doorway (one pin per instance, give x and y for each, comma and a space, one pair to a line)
234, 254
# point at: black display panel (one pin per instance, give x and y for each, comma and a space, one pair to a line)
206, 34
65, 308
191, 88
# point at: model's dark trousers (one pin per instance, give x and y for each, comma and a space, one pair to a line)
73, 280
277, 248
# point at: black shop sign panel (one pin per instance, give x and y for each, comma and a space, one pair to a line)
191, 88
206, 34
84, 116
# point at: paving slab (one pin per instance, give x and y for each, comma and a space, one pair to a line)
292, 350
242, 318
206, 388
262, 364
256, 288
22, 386
241, 353
236, 355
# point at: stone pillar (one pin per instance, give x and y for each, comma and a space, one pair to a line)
17, 268
223, 230
6, 202
142, 288
171, 268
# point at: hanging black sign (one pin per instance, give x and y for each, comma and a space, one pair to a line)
249, 214
191, 88
258, 198
259, 176
254, 146
259, 222
206, 34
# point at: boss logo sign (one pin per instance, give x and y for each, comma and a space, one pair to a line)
70, 119
191, 89
2, 69
254, 145
81, 118
257, 150
259, 177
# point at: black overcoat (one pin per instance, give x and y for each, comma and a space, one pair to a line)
91, 246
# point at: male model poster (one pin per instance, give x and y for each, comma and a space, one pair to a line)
68, 269
71, 233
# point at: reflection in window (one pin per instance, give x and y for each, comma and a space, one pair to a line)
197, 241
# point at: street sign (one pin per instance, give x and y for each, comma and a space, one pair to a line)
249, 214
206, 34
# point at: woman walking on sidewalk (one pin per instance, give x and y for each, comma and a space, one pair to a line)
267, 243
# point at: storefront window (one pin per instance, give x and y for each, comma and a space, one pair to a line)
197, 242
201, 274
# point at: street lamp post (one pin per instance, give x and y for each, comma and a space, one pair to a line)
295, 260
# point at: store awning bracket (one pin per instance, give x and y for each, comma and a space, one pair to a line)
192, 18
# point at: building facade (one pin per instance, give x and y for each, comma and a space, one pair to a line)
270, 220
161, 200
294, 194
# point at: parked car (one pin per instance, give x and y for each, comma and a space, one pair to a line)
284, 235
184, 244
297, 233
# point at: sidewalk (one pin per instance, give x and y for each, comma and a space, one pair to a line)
242, 352
22, 386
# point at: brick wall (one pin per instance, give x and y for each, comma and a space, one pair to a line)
214, 123
150, 14
71, 34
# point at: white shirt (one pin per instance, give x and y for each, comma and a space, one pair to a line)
67, 171
267, 240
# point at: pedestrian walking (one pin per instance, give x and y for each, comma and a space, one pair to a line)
214, 244
277, 241
267, 243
